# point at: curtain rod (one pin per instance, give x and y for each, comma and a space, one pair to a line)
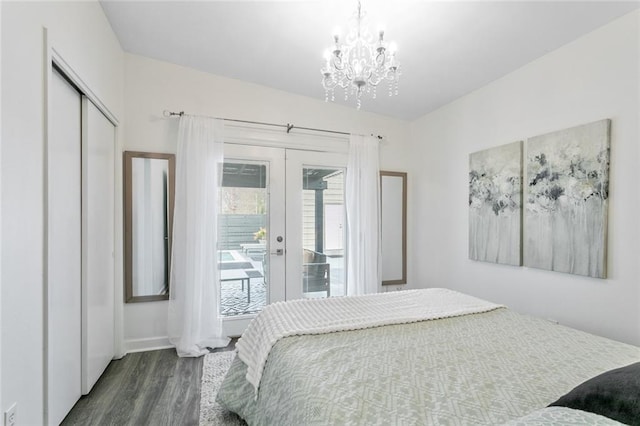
287, 126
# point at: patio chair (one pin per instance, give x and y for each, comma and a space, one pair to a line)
316, 272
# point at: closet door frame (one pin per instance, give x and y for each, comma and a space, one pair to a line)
52, 58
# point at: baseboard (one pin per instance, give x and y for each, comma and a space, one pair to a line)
147, 344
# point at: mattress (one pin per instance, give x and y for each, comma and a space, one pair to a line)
485, 368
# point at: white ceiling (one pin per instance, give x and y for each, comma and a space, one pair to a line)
447, 48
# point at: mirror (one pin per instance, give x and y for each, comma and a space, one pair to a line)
393, 197
149, 185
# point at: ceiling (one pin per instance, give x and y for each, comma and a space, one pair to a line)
447, 48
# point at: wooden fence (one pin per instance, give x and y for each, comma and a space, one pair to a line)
236, 229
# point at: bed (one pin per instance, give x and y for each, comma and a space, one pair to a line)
489, 366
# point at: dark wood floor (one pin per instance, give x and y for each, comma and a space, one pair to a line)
144, 388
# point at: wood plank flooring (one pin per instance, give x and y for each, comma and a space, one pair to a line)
144, 388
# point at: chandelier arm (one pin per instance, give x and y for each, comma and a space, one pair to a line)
329, 83
344, 84
391, 76
374, 81
339, 66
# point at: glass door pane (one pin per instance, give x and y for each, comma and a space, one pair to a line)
315, 224
242, 247
255, 240
251, 229
323, 221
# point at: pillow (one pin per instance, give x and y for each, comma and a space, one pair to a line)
614, 394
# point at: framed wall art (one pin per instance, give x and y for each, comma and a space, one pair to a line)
495, 204
567, 191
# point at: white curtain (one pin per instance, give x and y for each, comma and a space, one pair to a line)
194, 321
363, 216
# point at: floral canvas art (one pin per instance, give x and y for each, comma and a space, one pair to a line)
495, 204
565, 218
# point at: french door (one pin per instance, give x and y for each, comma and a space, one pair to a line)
281, 227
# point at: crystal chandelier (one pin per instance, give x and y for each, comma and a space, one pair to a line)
360, 63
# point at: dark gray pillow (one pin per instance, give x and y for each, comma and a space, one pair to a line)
614, 394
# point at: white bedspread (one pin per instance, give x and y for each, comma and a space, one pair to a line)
318, 316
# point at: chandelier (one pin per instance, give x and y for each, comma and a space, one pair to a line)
360, 63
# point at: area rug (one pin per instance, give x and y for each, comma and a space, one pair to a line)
214, 369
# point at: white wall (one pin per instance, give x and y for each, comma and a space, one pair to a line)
1, 404
595, 77
152, 86
82, 36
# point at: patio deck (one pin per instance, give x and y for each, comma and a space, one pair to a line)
243, 290
243, 285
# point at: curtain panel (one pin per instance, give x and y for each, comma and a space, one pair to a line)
363, 216
194, 321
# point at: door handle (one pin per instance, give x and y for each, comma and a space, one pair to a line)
278, 252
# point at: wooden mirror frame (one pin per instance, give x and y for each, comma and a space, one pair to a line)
403, 215
128, 157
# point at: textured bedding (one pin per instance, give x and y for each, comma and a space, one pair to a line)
318, 316
486, 368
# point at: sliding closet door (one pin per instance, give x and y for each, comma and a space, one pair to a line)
98, 147
80, 247
64, 250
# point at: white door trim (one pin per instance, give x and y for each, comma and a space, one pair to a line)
285, 281
52, 56
275, 157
